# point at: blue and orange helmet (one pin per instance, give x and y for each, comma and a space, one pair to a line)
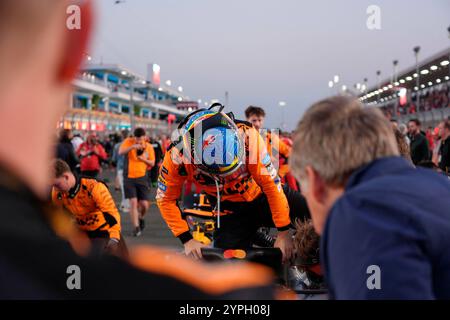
212, 142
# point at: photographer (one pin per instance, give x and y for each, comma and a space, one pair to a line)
139, 156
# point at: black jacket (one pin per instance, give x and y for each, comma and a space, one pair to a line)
64, 151
419, 148
444, 152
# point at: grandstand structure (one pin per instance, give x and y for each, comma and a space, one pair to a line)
421, 91
110, 97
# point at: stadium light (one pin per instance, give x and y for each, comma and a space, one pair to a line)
336, 79
430, 83
394, 76
415, 75
168, 83
422, 86
408, 78
180, 88
330, 84
424, 71
180, 99
402, 80
438, 80
447, 77
432, 68
416, 55
447, 61
444, 63
379, 83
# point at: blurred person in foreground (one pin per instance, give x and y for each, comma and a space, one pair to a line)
39, 53
382, 237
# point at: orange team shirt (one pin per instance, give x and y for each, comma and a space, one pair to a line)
135, 168
92, 206
250, 181
279, 152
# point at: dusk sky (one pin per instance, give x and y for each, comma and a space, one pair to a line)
263, 52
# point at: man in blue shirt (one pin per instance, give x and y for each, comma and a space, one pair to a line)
385, 225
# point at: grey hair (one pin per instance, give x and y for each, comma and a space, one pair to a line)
338, 135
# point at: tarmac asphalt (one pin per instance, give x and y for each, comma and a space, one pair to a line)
156, 231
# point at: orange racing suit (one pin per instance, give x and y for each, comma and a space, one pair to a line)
92, 206
255, 177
